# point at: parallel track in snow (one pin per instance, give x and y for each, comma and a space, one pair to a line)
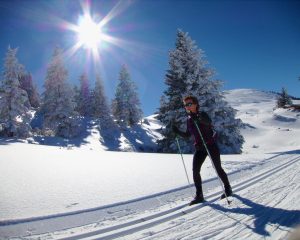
144, 223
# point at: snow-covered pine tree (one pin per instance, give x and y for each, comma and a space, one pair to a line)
76, 94
100, 106
126, 104
14, 104
31, 89
283, 99
190, 75
212, 101
227, 126
84, 104
183, 64
58, 101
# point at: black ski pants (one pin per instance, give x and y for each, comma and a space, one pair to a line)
198, 160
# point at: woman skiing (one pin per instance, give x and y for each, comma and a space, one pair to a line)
200, 121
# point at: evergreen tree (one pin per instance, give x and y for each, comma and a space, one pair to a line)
189, 75
84, 103
227, 126
14, 104
76, 94
100, 107
283, 99
58, 100
26, 84
183, 65
126, 104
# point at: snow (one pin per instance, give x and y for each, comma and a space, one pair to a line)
266, 127
83, 191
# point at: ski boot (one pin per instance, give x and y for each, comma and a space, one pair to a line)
196, 200
228, 192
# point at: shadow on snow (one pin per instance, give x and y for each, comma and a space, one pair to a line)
139, 139
296, 151
7, 141
65, 142
263, 215
136, 138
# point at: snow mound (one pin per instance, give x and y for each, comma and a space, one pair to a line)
265, 125
284, 118
286, 115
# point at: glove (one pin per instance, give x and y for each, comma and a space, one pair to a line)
194, 116
175, 129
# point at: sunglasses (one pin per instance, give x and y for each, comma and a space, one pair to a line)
189, 104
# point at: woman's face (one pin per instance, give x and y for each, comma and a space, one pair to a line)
190, 106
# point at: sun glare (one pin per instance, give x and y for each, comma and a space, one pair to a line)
89, 33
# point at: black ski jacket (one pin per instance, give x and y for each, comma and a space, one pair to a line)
204, 123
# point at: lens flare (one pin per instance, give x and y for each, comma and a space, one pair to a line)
89, 33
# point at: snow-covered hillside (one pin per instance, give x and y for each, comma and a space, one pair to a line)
254, 107
266, 127
79, 190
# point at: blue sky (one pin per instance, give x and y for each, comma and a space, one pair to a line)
250, 44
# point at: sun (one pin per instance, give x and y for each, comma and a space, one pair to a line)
92, 31
89, 33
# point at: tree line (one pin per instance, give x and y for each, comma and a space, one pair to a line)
61, 106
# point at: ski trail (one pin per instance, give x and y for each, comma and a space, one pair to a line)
176, 216
267, 216
155, 199
155, 220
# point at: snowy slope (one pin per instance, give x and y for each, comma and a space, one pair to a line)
267, 129
81, 191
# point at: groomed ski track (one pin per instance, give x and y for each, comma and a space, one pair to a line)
136, 218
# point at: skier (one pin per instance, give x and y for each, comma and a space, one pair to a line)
205, 126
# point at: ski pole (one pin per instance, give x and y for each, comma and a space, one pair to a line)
187, 177
206, 148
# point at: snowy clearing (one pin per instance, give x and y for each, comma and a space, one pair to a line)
85, 192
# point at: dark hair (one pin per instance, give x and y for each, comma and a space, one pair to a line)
194, 100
